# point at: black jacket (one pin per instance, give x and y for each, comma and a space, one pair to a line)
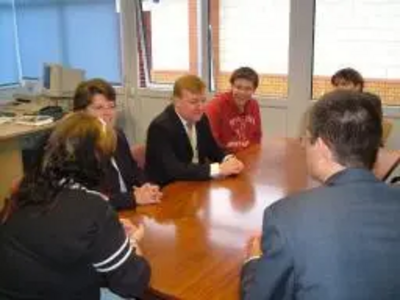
131, 174
63, 253
169, 153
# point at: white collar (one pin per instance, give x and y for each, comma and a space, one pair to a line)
77, 186
183, 121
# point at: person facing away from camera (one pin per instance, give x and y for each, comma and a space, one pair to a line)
340, 240
63, 236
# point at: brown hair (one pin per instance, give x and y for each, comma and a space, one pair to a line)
76, 152
191, 83
351, 126
245, 73
348, 75
86, 90
80, 126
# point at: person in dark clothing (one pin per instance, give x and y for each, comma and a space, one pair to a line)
180, 144
124, 181
62, 235
342, 239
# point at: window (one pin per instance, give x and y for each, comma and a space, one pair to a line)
168, 47
77, 33
8, 46
361, 34
252, 33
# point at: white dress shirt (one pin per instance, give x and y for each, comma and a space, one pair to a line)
190, 129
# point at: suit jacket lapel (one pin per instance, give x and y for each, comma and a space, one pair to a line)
199, 141
180, 131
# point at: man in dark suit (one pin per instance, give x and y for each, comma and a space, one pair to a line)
341, 240
180, 145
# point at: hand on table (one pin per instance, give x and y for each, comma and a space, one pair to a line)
134, 232
147, 194
253, 247
231, 166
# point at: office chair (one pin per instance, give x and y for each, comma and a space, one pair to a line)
386, 162
139, 155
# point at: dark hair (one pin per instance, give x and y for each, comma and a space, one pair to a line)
348, 75
245, 73
86, 90
76, 152
350, 125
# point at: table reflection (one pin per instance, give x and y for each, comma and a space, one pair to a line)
195, 238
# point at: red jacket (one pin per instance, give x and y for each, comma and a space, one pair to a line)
232, 129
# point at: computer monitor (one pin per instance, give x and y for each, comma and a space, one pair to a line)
59, 81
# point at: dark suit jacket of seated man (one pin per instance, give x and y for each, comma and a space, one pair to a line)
339, 241
180, 144
169, 153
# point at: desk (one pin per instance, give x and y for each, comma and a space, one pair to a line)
194, 240
10, 153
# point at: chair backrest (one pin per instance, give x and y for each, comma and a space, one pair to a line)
395, 180
386, 162
386, 128
139, 155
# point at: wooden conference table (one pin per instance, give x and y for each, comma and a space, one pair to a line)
195, 239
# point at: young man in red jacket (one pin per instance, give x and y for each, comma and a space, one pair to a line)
234, 115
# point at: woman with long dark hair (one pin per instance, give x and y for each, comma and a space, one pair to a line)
63, 236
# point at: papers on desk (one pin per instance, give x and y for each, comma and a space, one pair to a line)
4, 119
30, 120
34, 120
